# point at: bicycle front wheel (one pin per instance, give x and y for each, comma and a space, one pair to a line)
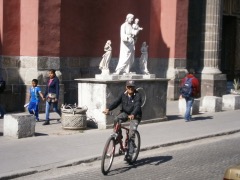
136, 145
108, 155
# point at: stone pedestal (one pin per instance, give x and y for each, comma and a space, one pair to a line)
182, 106
213, 85
19, 125
212, 104
125, 76
97, 94
231, 101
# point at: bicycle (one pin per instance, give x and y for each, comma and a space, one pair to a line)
115, 139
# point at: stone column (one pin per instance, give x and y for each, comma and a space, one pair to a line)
213, 81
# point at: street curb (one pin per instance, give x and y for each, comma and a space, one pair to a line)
30, 171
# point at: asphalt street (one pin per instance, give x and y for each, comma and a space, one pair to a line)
202, 159
54, 147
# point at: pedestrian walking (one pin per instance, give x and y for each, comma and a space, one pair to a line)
51, 95
189, 89
35, 92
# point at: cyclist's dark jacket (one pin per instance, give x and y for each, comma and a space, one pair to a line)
130, 105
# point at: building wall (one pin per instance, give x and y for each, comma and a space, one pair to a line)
29, 28
69, 36
11, 27
195, 30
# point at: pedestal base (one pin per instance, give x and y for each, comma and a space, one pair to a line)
98, 94
125, 76
213, 85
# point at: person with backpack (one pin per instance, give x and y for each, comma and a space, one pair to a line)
189, 89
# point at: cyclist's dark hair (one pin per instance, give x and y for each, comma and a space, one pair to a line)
35, 80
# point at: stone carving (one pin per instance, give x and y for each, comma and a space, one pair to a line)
143, 59
136, 28
74, 117
127, 46
106, 58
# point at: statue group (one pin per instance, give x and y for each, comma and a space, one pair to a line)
106, 57
128, 37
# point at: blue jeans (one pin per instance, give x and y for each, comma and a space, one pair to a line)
33, 109
189, 103
55, 108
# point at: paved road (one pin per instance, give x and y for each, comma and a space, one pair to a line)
54, 147
203, 159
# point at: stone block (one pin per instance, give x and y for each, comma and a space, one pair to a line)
19, 125
106, 77
212, 104
97, 95
182, 106
128, 76
231, 101
149, 76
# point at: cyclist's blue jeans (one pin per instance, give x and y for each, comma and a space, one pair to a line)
189, 103
55, 108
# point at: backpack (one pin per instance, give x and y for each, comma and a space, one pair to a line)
186, 89
2, 85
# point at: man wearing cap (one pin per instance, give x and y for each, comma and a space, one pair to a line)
130, 101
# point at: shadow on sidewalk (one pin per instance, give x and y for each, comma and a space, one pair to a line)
195, 117
40, 134
202, 118
174, 117
153, 161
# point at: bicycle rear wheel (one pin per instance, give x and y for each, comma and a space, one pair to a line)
137, 144
108, 155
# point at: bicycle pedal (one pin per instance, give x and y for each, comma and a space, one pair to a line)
120, 152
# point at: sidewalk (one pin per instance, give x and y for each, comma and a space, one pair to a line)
54, 147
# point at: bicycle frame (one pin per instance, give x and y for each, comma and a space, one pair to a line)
117, 131
110, 147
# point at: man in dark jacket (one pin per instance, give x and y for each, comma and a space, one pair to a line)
130, 110
194, 93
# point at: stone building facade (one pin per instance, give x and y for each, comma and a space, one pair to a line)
69, 36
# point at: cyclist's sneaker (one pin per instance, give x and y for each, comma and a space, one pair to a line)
134, 145
128, 158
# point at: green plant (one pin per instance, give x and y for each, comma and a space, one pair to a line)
236, 84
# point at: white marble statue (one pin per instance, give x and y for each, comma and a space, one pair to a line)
136, 28
106, 57
127, 46
144, 58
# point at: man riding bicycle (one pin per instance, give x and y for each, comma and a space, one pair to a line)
131, 110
